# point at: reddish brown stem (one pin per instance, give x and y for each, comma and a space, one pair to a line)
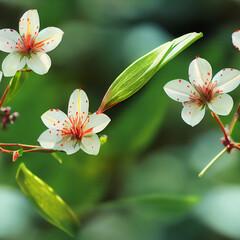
27, 148
18, 145
222, 127
5, 151
4, 95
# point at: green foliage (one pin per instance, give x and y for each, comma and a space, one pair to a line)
156, 204
15, 85
140, 121
142, 70
48, 204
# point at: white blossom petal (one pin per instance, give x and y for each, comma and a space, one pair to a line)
68, 145
97, 122
193, 113
12, 63
49, 138
49, 38
180, 90
236, 39
1, 76
55, 119
39, 63
226, 80
90, 144
78, 105
8, 40
200, 72
222, 104
29, 23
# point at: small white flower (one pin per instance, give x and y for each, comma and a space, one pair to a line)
75, 131
203, 92
30, 46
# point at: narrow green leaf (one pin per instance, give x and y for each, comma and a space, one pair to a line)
48, 204
142, 70
139, 123
55, 155
16, 83
156, 204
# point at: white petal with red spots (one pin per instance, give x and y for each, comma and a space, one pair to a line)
91, 144
12, 63
200, 72
97, 122
193, 113
29, 23
49, 138
49, 38
39, 63
78, 105
180, 90
236, 39
8, 40
222, 104
67, 145
55, 118
226, 80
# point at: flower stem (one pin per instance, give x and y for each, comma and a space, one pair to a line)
234, 120
213, 161
26, 148
4, 95
222, 127
18, 145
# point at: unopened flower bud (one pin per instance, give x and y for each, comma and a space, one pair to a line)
15, 155
103, 139
6, 117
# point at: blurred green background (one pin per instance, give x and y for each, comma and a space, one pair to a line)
150, 150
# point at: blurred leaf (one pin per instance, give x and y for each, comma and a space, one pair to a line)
48, 204
16, 83
220, 209
55, 155
16, 218
142, 70
156, 204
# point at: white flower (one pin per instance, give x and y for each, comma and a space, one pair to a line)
30, 46
203, 92
75, 131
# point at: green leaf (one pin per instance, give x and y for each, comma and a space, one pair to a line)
156, 205
142, 70
140, 122
48, 204
55, 155
15, 85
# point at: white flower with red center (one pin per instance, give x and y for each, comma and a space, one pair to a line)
30, 46
202, 91
75, 131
